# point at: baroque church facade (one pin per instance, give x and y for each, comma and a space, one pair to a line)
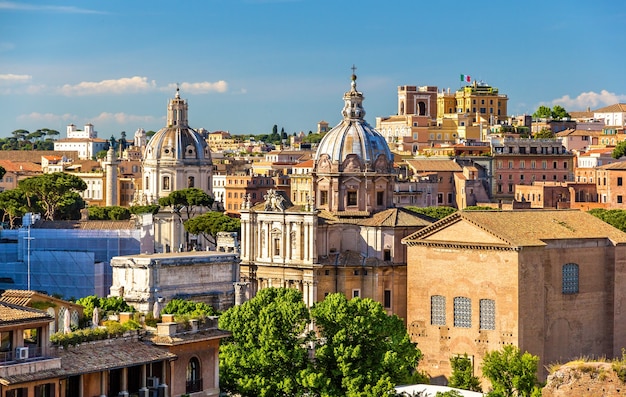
347, 236
176, 157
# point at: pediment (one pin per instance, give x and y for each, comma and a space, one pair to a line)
464, 232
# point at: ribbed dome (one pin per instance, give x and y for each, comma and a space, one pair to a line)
177, 141
354, 137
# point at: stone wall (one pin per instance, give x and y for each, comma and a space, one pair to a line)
584, 379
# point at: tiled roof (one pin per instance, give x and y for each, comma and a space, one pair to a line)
398, 217
617, 166
24, 298
20, 166
305, 164
17, 297
35, 155
433, 165
97, 356
581, 115
14, 314
615, 108
529, 227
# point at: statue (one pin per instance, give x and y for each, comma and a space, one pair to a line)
274, 201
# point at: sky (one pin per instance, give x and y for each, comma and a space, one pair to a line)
246, 65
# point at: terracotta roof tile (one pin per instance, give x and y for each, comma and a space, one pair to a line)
433, 165
530, 227
14, 314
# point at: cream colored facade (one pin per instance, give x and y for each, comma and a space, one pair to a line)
341, 232
550, 282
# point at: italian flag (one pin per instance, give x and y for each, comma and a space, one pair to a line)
465, 77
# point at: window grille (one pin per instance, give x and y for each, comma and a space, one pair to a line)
462, 312
487, 314
438, 310
570, 278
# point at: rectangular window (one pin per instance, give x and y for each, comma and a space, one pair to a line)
438, 310
619, 199
324, 197
533, 164
387, 255
276, 247
380, 198
387, 299
522, 164
487, 314
510, 164
619, 181
570, 278
462, 312
356, 293
352, 198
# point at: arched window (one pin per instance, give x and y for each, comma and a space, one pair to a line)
194, 380
570, 278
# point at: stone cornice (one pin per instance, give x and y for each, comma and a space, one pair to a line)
455, 245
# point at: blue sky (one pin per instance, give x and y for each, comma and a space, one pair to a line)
245, 65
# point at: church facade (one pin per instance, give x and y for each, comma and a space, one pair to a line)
176, 157
346, 236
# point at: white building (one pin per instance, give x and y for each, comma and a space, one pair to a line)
85, 142
613, 115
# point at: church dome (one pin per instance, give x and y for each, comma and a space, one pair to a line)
177, 141
354, 145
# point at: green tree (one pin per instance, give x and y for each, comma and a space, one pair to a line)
2, 172
69, 206
559, 112
211, 223
463, 374
183, 307
114, 213
54, 192
14, 204
619, 151
185, 203
434, 212
615, 218
542, 112
114, 304
267, 351
511, 373
545, 133
361, 350
145, 209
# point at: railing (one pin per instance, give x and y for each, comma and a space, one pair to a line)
9, 356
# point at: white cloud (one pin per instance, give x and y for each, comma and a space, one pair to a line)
119, 86
199, 88
46, 118
15, 78
122, 118
8, 5
592, 100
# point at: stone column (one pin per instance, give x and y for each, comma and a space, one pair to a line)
143, 391
240, 292
124, 383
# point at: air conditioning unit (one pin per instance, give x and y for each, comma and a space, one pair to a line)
153, 382
21, 353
